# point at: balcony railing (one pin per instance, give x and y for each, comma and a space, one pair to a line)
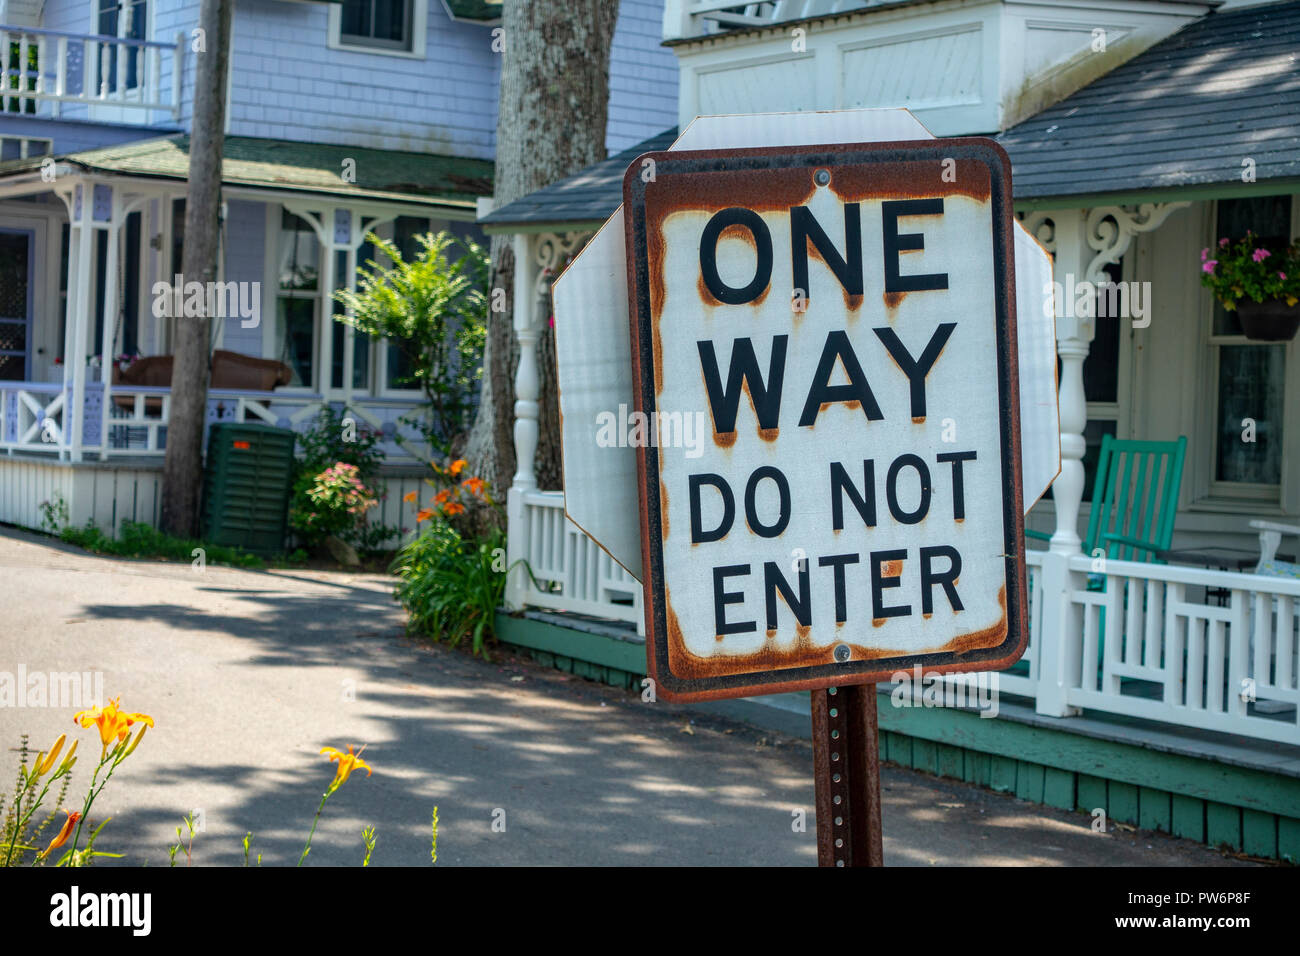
46, 70
693, 18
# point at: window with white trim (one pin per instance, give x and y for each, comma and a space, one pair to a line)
297, 298
392, 27
1249, 376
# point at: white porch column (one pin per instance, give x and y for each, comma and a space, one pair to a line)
1073, 337
1057, 645
78, 320
108, 340
527, 387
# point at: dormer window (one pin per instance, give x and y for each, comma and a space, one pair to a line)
394, 27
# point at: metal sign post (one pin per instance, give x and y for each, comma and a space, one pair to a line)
846, 772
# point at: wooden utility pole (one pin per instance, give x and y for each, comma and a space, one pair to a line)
552, 111
183, 468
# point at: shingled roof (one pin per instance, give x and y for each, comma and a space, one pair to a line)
586, 198
301, 167
1185, 113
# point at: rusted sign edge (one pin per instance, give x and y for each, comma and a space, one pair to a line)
685, 162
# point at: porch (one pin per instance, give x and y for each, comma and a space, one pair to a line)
1194, 650
92, 292
1159, 642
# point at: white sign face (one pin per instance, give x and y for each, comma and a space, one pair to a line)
839, 325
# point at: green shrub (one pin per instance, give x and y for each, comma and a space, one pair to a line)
450, 586
433, 309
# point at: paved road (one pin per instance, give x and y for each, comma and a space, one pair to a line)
249, 674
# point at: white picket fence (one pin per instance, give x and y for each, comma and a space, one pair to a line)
1194, 648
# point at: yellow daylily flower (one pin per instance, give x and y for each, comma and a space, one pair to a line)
347, 763
113, 723
44, 762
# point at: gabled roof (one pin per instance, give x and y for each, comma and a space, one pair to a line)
1187, 112
300, 167
586, 198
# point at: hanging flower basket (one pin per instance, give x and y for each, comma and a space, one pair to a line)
1269, 321
1262, 285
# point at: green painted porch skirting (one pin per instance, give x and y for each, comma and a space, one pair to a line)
1197, 798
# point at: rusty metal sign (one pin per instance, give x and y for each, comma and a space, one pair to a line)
824, 355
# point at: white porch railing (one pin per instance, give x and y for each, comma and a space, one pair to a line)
572, 572
131, 421
49, 68
1209, 649
692, 18
32, 416
1206, 649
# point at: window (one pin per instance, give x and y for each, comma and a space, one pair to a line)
394, 27
128, 19
1249, 377
23, 147
360, 343
399, 370
297, 298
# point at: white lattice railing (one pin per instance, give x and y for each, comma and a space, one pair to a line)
31, 416
1206, 649
572, 573
48, 68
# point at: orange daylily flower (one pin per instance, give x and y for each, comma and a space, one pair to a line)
347, 763
114, 724
475, 485
424, 514
61, 837
454, 508
410, 496
457, 467
442, 496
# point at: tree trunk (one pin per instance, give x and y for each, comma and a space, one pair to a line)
183, 467
552, 110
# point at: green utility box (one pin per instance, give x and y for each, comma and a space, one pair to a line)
246, 485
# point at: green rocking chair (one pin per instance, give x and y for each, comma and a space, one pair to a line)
1137, 523
1134, 499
